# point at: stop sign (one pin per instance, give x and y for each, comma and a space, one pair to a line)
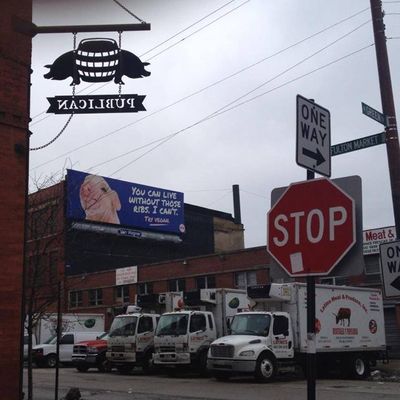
311, 227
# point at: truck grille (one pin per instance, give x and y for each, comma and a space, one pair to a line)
80, 349
167, 349
118, 348
221, 350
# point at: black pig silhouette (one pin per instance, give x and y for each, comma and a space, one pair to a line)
97, 60
131, 66
63, 67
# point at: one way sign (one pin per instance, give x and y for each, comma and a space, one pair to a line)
390, 267
313, 149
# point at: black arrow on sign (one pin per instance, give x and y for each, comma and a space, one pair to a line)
396, 283
317, 156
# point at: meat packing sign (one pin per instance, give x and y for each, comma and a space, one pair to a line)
110, 201
96, 61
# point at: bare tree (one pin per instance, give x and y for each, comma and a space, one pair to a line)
42, 274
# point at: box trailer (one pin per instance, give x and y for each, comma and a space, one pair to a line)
349, 324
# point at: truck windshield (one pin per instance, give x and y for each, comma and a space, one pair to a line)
123, 326
172, 324
251, 324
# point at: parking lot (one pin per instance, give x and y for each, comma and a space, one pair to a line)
186, 385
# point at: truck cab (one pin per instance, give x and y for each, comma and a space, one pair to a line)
91, 354
183, 338
131, 340
256, 342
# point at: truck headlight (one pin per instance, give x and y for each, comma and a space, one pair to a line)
246, 353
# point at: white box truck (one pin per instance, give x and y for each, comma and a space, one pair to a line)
131, 336
183, 337
350, 332
46, 327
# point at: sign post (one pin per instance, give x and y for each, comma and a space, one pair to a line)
310, 229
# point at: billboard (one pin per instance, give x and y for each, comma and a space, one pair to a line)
95, 198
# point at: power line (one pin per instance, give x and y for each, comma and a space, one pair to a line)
148, 51
223, 111
205, 88
188, 27
198, 30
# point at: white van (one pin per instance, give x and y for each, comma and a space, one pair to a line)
45, 355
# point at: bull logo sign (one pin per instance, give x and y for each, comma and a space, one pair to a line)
96, 61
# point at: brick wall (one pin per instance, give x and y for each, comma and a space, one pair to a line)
15, 58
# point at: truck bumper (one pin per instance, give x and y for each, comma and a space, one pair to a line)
231, 365
89, 360
121, 357
171, 358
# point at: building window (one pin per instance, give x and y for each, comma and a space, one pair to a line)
122, 294
145, 288
244, 279
205, 282
75, 299
95, 297
176, 285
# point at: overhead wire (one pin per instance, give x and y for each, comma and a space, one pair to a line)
225, 110
153, 48
204, 88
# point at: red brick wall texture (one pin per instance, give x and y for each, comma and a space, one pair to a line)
15, 59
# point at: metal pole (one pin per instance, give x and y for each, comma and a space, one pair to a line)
311, 356
385, 83
59, 320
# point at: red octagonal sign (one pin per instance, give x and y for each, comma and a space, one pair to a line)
311, 227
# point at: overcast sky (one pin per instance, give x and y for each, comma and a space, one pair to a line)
272, 50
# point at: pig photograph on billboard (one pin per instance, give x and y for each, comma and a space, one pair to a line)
99, 199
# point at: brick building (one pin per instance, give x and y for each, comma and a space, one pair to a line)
15, 70
210, 256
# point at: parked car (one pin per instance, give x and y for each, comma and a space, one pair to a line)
45, 355
91, 354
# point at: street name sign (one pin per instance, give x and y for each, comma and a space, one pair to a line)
374, 114
358, 144
311, 227
390, 268
313, 139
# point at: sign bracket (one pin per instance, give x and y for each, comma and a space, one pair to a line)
30, 29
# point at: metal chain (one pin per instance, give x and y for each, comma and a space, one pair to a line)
54, 139
70, 117
119, 53
128, 11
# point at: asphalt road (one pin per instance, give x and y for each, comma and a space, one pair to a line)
137, 386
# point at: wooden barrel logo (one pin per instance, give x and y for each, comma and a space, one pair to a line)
97, 60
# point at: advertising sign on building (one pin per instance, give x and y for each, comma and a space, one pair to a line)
373, 238
126, 276
94, 198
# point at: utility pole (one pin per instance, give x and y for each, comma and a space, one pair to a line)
385, 83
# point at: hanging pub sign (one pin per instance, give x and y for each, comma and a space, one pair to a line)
97, 61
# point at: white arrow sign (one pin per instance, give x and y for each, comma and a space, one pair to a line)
313, 136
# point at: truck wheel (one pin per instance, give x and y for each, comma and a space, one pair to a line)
104, 366
82, 368
203, 364
265, 368
147, 365
51, 361
360, 367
